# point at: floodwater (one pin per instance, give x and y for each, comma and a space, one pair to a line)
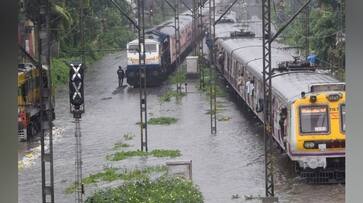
225, 164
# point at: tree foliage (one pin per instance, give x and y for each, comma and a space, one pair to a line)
326, 21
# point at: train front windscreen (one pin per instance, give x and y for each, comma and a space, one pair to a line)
314, 119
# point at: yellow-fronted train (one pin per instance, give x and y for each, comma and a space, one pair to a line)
29, 100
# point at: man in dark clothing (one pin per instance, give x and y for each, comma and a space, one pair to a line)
121, 75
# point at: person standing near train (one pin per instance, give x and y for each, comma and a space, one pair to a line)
121, 75
248, 90
312, 59
240, 82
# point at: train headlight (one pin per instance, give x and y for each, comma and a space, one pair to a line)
313, 98
334, 97
309, 145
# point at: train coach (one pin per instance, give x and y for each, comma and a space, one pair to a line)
29, 122
308, 105
160, 48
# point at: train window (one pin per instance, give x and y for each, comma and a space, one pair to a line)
342, 117
133, 48
235, 68
314, 119
150, 48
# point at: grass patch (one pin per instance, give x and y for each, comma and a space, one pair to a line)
206, 88
111, 174
162, 190
129, 136
120, 146
118, 156
224, 118
166, 153
162, 121
125, 154
170, 94
108, 174
179, 76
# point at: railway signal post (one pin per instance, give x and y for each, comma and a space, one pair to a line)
46, 113
201, 42
140, 26
266, 32
195, 27
212, 77
177, 43
142, 75
306, 30
76, 98
267, 39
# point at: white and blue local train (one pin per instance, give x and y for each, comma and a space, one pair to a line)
160, 56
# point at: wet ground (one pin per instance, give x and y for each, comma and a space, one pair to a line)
225, 164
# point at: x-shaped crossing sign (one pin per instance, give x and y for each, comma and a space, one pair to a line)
77, 89
76, 73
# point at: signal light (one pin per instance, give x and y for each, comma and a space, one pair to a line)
76, 90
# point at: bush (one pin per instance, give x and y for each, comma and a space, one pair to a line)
60, 71
162, 190
118, 156
112, 174
162, 121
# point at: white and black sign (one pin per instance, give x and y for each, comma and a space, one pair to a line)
76, 93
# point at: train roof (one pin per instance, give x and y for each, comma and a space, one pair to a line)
248, 51
168, 26
136, 41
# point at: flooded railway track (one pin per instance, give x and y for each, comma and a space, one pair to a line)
225, 164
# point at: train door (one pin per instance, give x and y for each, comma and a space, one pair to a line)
244, 80
253, 92
229, 66
234, 73
256, 94
282, 125
226, 64
230, 71
240, 79
274, 117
